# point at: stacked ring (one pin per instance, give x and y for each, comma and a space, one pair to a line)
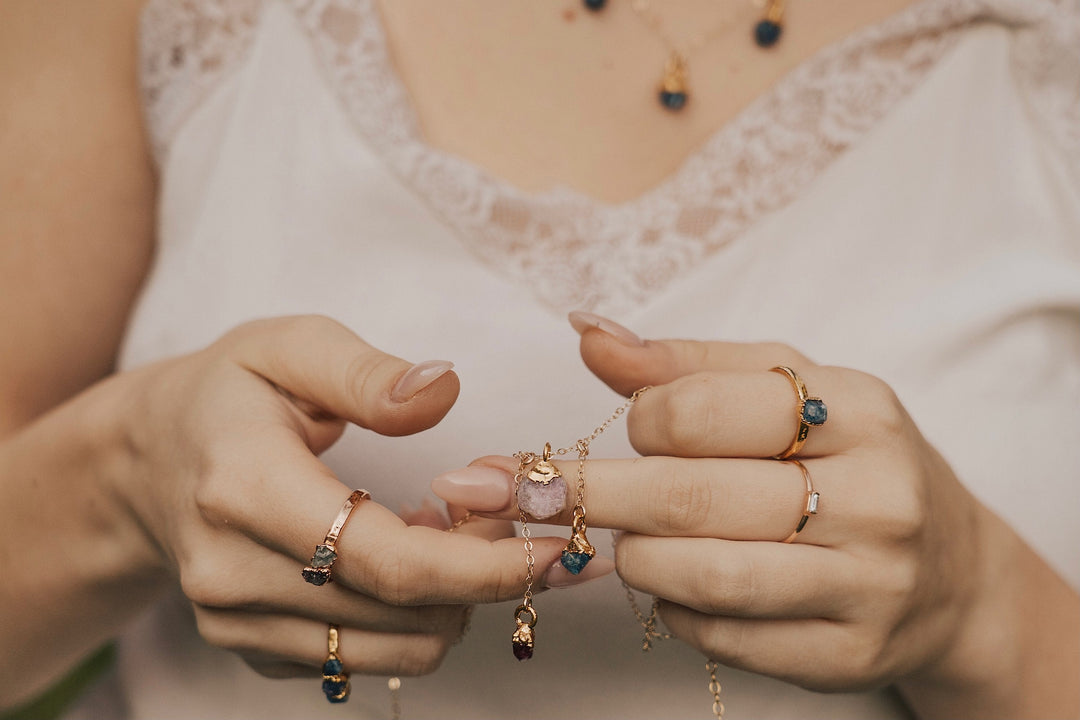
322, 562
812, 498
335, 684
811, 411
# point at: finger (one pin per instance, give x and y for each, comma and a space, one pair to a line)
757, 414
264, 639
628, 364
816, 654
322, 362
734, 499
255, 586
740, 579
288, 500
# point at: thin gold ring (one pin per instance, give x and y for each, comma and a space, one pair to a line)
812, 497
335, 684
811, 411
322, 561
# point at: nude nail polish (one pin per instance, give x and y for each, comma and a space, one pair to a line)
582, 321
418, 377
485, 489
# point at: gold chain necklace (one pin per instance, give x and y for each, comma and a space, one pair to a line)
674, 89
539, 470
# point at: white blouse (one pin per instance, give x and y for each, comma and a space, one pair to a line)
906, 202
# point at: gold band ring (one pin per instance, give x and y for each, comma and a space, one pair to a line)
811, 411
335, 683
322, 562
812, 498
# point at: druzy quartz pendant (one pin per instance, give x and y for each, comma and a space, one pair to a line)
542, 493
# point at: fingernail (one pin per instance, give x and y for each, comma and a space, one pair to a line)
582, 321
418, 377
559, 577
476, 488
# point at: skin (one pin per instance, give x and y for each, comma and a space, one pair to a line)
115, 486
902, 577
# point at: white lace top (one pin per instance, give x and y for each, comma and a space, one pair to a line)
906, 202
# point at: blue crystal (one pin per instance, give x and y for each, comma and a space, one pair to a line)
766, 33
575, 562
595, 5
336, 690
673, 100
315, 577
814, 412
332, 666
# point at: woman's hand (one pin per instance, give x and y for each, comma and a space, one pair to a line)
900, 577
205, 468
224, 476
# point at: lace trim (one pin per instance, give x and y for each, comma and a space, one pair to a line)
185, 47
612, 258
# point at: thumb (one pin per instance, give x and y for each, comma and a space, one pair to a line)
320, 362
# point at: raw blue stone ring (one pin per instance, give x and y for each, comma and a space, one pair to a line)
322, 561
811, 411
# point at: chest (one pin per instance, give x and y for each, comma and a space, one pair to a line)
546, 94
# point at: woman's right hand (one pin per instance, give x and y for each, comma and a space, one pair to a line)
220, 469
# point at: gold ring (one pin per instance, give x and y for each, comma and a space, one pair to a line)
322, 562
335, 682
812, 498
811, 411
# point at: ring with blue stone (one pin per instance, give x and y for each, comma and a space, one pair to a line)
335, 683
322, 561
811, 412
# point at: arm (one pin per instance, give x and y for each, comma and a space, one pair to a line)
76, 219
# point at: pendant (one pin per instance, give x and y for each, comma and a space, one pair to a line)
673, 93
578, 552
542, 493
767, 31
522, 640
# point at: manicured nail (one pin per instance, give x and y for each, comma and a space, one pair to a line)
480, 488
559, 577
418, 377
582, 321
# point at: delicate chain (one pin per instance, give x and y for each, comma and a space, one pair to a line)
655, 22
714, 689
524, 459
394, 684
648, 623
461, 521
604, 425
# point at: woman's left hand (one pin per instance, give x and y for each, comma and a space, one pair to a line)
898, 577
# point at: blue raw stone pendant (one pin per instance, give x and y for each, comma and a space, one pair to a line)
575, 562
673, 100
766, 33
